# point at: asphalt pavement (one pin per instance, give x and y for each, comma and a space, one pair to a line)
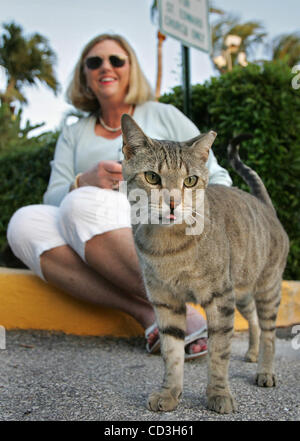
48, 376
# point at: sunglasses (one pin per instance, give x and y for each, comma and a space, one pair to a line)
93, 63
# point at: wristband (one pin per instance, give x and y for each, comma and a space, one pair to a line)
75, 185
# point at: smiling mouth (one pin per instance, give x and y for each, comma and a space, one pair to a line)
107, 80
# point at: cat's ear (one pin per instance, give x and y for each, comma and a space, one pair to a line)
202, 144
133, 136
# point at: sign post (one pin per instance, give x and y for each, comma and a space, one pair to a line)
187, 21
186, 80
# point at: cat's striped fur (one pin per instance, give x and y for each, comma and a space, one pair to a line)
237, 260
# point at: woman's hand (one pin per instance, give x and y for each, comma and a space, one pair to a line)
106, 174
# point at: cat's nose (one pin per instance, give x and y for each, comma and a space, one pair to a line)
171, 197
172, 203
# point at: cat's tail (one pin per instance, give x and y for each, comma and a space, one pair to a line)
250, 176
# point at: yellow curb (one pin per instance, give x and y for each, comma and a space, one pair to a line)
29, 303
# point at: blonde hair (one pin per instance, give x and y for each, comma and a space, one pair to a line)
83, 98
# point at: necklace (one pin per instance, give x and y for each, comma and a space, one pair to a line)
112, 129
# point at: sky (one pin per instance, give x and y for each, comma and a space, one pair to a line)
70, 24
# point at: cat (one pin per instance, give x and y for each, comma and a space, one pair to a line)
236, 259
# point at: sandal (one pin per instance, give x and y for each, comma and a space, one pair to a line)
156, 345
200, 333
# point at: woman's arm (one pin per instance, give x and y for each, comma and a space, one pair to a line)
62, 168
103, 174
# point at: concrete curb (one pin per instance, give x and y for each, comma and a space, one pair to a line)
29, 303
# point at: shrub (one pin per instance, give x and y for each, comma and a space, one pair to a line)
12, 135
24, 178
260, 101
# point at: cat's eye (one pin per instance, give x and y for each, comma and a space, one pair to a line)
191, 181
152, 177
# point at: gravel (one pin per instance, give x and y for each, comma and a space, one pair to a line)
48, 376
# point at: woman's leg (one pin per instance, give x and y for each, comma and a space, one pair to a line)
63, 268
117, 283
113, 255
35, 238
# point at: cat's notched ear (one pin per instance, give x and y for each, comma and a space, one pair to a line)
133, 136
203, 143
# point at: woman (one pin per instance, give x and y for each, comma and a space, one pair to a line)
72, 241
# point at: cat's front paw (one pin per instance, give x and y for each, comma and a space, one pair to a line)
162, 401
265, 380
222, 403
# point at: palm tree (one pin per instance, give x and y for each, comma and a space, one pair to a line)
226, 53
27, 61
286, 47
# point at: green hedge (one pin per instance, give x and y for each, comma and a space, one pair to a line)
257, 100
24, 175
260, 101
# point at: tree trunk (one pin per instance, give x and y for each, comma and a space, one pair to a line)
161, 38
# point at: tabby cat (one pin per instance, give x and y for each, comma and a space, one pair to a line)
237, 259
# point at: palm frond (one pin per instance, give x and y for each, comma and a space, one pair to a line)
286, 47
26, 60
214, 10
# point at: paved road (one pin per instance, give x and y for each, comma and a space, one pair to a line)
47, 376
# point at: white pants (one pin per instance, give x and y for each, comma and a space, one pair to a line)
83, 214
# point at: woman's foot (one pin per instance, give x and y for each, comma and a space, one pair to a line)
195, 321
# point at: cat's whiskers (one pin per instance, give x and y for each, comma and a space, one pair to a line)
198, 214
154, 213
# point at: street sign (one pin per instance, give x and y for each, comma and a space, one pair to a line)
187, 21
